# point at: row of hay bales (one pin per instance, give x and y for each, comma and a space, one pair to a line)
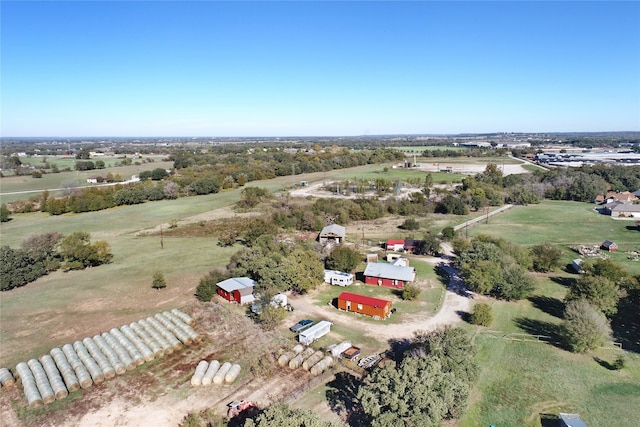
311, 360
94, 360
207, 373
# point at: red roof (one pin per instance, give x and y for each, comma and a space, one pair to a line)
392, 242
362, 299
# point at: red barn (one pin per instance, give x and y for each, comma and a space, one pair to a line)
392, 276
395, 245
237, 289
362, 304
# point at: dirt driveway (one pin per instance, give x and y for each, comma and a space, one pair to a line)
457, 300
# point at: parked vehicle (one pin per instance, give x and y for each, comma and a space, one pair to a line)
304, 323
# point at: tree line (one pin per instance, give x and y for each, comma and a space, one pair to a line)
47, 252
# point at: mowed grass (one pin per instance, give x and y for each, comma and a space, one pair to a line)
565, 224
521, 381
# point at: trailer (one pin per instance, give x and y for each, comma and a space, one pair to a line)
316, 331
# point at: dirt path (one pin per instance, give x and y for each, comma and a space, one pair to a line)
457, 300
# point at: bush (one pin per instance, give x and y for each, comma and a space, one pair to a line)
206, 289
620, 362
158, 281
482, 314
410, 292
410, 224
586, 328
448, 233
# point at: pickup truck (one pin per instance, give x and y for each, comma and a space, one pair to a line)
304, 323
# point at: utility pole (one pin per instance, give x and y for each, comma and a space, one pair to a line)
161, 238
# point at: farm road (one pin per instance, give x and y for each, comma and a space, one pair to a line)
457, 299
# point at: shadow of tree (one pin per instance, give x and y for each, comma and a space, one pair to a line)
397, 347
633, 227
443, 276
626, 323
604, 364
567, 282
549, 305
539, 327
466, 317
342, 396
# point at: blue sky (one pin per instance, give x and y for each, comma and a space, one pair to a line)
302, 68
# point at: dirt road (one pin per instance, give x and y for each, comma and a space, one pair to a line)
457, 300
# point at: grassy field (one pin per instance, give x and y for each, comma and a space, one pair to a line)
520, 381
565, 224
29, 186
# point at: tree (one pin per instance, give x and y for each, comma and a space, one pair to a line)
208, 284
302, 270
282, 415
251, 196
482, 314
5, 213
546, 257
42, 247
271, 316
585, 327
100, 164
410, 292
448, 233
158, 281
343, 258
78, 252
206, 185
598, 291
443, 363
410, 224
17, 268
158, 174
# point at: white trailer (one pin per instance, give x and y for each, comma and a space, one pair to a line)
339, 278
316, 331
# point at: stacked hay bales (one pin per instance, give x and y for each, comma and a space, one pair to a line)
207, 373
93, 360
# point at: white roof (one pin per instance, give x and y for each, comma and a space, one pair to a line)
390, 271
317, 327
236, 283
336, 229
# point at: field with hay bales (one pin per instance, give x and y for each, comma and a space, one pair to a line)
518, 381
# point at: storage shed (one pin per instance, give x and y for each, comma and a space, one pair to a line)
338, 278
395, 245
610, 246
570, 420
383, 274
333, 233
316, 331
363, 304
237, 289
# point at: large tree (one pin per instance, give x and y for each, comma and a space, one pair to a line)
546, 257
78, 251
586, 328
598, 291
343, 258
17, 268
282, 415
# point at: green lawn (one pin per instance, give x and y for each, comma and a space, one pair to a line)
521, 380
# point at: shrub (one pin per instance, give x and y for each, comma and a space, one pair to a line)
448, 233
482, 314
206, 289
410, 292
586, 328
620, 362
410, 224
158, 281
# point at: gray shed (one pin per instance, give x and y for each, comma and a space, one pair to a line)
570, 420
332, 233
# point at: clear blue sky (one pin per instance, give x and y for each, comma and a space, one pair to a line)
209, 68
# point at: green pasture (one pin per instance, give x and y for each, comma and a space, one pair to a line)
565, 224
26, 186
520, 381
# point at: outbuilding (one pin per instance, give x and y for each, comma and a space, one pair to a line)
237, 289
362, 304
395, 245
333, 233
339, 278
316, 331
570, 420
610, 246
384, 274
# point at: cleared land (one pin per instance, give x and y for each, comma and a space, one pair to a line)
518, 381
